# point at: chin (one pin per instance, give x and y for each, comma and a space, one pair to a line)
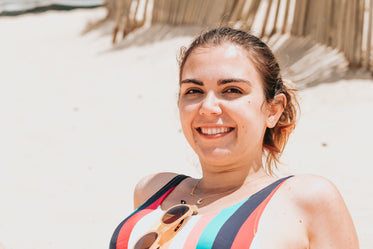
216, 156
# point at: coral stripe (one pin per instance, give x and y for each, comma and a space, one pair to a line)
126, 229
210, 235
248, 230
195, 234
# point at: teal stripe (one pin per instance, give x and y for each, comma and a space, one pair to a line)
211, 230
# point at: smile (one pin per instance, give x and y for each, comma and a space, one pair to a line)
214, 130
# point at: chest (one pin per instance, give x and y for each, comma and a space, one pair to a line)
276, 225
253, 223
225, 229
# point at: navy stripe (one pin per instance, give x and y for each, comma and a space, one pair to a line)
172, 183
229, 230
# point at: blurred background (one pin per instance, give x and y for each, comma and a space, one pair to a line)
88, 105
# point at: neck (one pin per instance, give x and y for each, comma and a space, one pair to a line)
223, 178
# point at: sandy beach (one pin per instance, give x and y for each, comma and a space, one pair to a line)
82, 121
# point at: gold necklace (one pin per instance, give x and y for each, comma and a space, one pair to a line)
200, 199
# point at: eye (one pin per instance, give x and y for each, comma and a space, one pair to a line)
193, 91
233, 90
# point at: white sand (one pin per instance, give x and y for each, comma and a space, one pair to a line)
82, 123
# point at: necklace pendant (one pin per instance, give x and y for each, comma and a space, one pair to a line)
199, 201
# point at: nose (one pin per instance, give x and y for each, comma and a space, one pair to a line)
210, 105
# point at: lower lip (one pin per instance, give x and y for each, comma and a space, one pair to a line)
218, 135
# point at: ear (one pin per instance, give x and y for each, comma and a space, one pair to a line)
275, 109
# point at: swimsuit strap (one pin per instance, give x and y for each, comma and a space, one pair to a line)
161, 194
120, 236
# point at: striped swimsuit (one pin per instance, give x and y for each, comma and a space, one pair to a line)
232, 227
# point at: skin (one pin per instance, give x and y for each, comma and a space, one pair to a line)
220, 88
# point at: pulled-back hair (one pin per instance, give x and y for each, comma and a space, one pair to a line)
268, 68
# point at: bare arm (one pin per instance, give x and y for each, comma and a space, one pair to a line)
329, 223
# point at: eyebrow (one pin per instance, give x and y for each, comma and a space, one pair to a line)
220, 82
198, 82
225, 81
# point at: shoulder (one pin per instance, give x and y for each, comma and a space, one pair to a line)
328, 220
149, 185
312, 190
310, 185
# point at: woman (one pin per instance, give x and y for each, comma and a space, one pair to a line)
235, 110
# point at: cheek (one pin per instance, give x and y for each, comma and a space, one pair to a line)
186, 120
250, 116
183, 113
187, 110
186, 114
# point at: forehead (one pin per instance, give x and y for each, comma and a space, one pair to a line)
225, 50
225, 60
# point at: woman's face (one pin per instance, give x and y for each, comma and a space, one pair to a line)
222, 105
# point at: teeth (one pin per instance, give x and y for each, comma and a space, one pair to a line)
214, 131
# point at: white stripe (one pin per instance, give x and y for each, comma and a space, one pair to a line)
144, 225
179, 240
256, 242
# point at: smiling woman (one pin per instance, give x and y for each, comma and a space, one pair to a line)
235, 111
259, 63
221, 90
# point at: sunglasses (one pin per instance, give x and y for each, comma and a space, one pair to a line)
171, 222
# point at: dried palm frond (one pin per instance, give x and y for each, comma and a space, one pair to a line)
344, 25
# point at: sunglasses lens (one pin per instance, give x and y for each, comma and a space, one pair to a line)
146, 241
174, 213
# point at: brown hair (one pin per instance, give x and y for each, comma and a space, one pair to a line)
267, 66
